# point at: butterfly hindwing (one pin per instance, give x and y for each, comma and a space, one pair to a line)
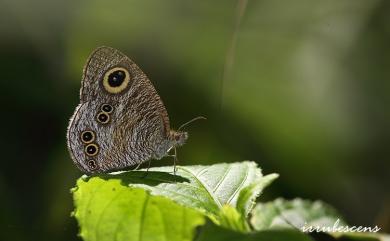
121, 109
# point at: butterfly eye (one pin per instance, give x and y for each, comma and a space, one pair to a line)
87, 136
103, 118
177, 138
116, 80
107, 108
91, 149
92, 164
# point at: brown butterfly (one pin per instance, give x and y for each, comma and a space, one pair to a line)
121, 120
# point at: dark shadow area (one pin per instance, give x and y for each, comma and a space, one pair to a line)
151, 178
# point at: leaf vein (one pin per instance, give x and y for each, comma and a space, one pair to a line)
203, 185
142, 221
239, 187
222, 179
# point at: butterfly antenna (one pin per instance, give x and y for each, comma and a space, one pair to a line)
192, 120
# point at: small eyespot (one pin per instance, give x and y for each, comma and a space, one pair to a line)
107, 108
92, 164
116, 80
103, 117
87, 136
91, 149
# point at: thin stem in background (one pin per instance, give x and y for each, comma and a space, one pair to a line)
230, 52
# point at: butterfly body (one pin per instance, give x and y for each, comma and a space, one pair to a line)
121, 120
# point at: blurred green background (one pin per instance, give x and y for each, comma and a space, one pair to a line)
302, 87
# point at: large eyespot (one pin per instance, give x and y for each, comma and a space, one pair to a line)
92, 164
116, 80
87, 136
91, 149
107, 108
103, 117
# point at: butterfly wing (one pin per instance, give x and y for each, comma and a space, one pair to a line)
134, 131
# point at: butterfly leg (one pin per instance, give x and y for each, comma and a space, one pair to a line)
136, 168
147, 169
175, 160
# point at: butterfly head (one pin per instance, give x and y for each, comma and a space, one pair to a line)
178, 137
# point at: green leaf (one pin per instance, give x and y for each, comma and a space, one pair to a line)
231, 218
299, 213
107, 210
296, 213
248, 195
223, 192
212, 232
205, 188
